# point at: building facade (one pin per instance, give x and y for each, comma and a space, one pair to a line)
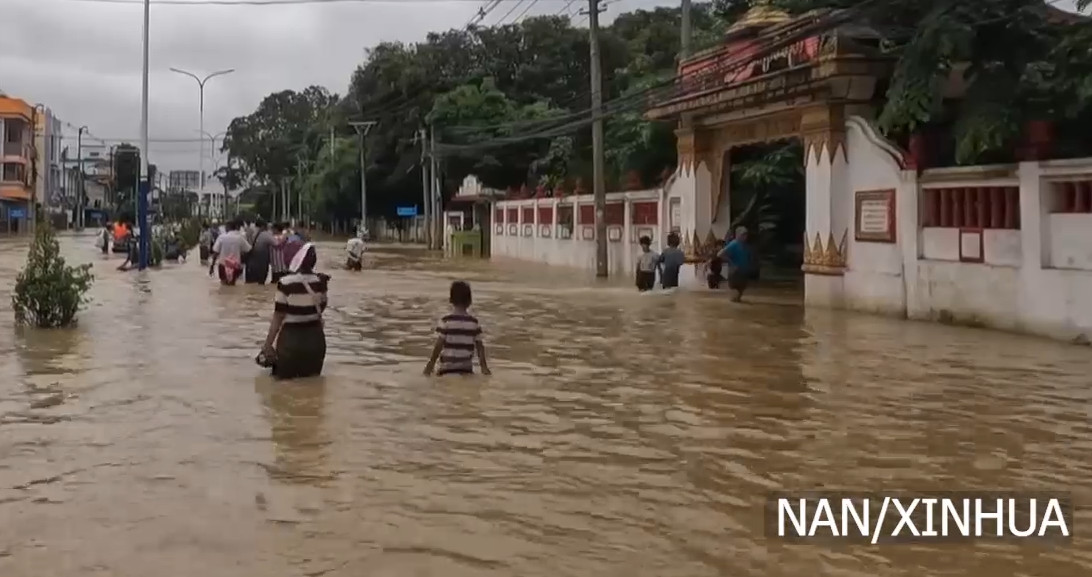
17, 163
184, 181
48, 141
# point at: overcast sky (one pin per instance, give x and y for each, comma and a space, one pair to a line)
83, 59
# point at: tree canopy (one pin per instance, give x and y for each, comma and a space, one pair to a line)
509, 103
472, 85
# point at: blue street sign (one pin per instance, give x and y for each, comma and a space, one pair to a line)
407, 210
17, 213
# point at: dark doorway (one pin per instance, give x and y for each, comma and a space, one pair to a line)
767, 196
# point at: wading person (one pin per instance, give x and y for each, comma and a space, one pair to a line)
132, 252
204, 242
257, 260
647, 263
671, 261
737, 255
295, 345
103, 239
228, 253
277, 263
354, 252
458, 337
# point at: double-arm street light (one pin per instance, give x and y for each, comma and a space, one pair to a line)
201, 92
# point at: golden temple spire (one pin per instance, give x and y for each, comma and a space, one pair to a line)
763, 14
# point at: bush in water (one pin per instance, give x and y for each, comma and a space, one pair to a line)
48, 293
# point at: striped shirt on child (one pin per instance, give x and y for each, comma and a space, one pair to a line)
460, 332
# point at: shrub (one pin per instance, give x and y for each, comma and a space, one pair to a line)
189, 233
48, 293
158, 245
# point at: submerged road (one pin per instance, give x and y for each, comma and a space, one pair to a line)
621, 434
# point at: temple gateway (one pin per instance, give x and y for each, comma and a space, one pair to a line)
1007, 246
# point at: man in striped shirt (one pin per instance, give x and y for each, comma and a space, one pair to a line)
459, 336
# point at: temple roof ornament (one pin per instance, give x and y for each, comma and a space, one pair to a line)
763, 14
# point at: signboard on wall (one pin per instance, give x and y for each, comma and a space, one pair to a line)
874, 216
970, 245
406, 211
674, 216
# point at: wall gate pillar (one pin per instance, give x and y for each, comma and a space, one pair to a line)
828, 212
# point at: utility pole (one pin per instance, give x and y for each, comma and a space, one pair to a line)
227, 178
362, 129
299, 187
437, 215
684, 42
426, 196
284, 199
142, 195
598, 178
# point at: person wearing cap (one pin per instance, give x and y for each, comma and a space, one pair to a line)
737, 255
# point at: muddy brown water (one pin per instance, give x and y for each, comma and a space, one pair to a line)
621, 435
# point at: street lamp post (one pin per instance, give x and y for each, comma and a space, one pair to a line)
201, 94
80, 186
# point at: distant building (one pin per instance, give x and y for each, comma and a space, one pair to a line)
17, 163
48, 191
184, 181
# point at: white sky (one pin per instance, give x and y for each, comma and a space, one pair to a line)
83, 59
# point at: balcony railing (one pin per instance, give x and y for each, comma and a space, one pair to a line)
13, 149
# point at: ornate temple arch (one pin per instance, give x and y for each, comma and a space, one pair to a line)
773, 78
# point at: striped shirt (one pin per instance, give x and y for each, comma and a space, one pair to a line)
460, 332
298, 305
276, 254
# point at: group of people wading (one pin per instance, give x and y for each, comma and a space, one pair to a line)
295, 344
737, 254
255, 252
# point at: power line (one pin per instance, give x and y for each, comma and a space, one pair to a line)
482, 12
508, 13
823, 23
271, 2
525, 10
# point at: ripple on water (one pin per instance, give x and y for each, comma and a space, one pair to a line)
621, 434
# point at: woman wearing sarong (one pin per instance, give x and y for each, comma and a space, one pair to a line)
257, 260
295, 346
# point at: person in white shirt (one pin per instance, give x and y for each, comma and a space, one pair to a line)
354, 251
230, 250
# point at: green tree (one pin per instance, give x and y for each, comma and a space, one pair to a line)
48, 292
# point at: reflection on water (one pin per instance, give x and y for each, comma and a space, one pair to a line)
622, 434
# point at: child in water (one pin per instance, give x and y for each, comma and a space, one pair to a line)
671, 260
459, 336
647, 263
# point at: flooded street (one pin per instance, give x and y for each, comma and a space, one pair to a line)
621, 434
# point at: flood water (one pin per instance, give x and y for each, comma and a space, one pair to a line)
621, 434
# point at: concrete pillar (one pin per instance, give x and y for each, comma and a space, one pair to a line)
828, 206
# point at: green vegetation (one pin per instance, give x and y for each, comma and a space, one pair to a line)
48, 293
525, 86
474, 85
